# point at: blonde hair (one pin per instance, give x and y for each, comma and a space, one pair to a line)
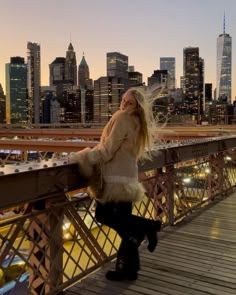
148, 124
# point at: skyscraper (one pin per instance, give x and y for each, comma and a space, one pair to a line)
57, 71
193, 70
159, 77
107, 96
2, 106
16, 91
168, 63
34, 82
208, 91
117, 65
135, 78
84, 81
71, 66
86, 85
224, 62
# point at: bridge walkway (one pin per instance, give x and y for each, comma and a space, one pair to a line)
196, 256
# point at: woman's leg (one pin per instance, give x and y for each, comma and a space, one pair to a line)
127, 263
115, 215
119, 217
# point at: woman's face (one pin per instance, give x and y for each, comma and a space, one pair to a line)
128, 102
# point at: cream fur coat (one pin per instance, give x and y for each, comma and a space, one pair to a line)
116, 158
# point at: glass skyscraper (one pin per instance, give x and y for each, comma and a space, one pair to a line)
168, 63
117, 65
16, 91
224, 62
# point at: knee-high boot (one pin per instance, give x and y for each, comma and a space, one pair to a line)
149, 228
127, 263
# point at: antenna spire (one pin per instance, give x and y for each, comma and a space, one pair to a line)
224, 24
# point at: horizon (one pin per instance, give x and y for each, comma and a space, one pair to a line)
144, 33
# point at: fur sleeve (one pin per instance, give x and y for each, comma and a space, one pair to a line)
81, 158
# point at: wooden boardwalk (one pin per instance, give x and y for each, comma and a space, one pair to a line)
195, 257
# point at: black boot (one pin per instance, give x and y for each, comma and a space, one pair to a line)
127, 264
152, 235
115, 275
145, 227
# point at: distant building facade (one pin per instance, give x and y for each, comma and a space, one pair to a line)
34, 82
208, 92
71, 66
71, 103
16, 91
57, 71
135, 78
107, 96
51, 108
158, 78
84, 81
168, 63
108, 90
117, 65
2, 106
193, 69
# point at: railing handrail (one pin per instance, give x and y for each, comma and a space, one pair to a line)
58, 176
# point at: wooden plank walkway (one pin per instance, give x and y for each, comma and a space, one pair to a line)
195, 257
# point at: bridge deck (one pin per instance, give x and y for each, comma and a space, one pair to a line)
195, 257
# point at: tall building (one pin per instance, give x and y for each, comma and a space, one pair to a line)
16, 91
208, 91
50, 107
182, 82
34, 82
88, 107
224, 62
107, 96
117, 65
72, 105
2, 106
86, 91
193, 69
168, 63
158, 78
84, 81
57, 71
135, 78
108, 90
71, 66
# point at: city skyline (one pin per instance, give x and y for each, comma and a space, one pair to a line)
142, 32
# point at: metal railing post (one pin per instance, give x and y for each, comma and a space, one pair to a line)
46, 243
170, 185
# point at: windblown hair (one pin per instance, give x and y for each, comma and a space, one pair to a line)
145, 98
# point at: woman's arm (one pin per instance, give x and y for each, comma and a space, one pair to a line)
105, 150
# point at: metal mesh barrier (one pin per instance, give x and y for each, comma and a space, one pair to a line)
48, 245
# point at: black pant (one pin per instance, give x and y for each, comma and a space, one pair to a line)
131, 229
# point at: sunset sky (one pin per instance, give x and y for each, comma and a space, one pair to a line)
143, 30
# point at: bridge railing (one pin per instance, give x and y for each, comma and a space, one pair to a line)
52, 239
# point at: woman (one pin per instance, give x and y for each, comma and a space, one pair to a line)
122, 144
